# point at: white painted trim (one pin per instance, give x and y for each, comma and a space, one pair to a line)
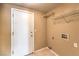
12, 12
11, 28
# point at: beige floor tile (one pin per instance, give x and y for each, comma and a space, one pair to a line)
43, 52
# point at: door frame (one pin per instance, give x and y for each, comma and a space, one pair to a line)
12, 18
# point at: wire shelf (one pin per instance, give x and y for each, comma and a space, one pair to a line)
72, 13
69, 17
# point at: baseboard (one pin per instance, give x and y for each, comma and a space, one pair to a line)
54, 52
47, 48
41, 49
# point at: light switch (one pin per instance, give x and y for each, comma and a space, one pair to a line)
75, 45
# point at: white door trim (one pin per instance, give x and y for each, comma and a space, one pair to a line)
12, 18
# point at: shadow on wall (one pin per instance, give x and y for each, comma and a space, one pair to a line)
56, 28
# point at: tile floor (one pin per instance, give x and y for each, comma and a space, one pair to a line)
43, 52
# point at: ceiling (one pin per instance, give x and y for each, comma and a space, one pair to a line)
43, 7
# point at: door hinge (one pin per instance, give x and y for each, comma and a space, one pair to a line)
12, 33
12, 52
12, 15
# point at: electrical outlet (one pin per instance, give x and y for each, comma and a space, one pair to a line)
75, 45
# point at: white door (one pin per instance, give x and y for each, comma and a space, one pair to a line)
22, 32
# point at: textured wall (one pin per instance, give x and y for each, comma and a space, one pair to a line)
0, 29
60, 46
40, 28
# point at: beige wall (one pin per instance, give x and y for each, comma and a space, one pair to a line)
0, 26
60, 46
40, 31
5, 31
